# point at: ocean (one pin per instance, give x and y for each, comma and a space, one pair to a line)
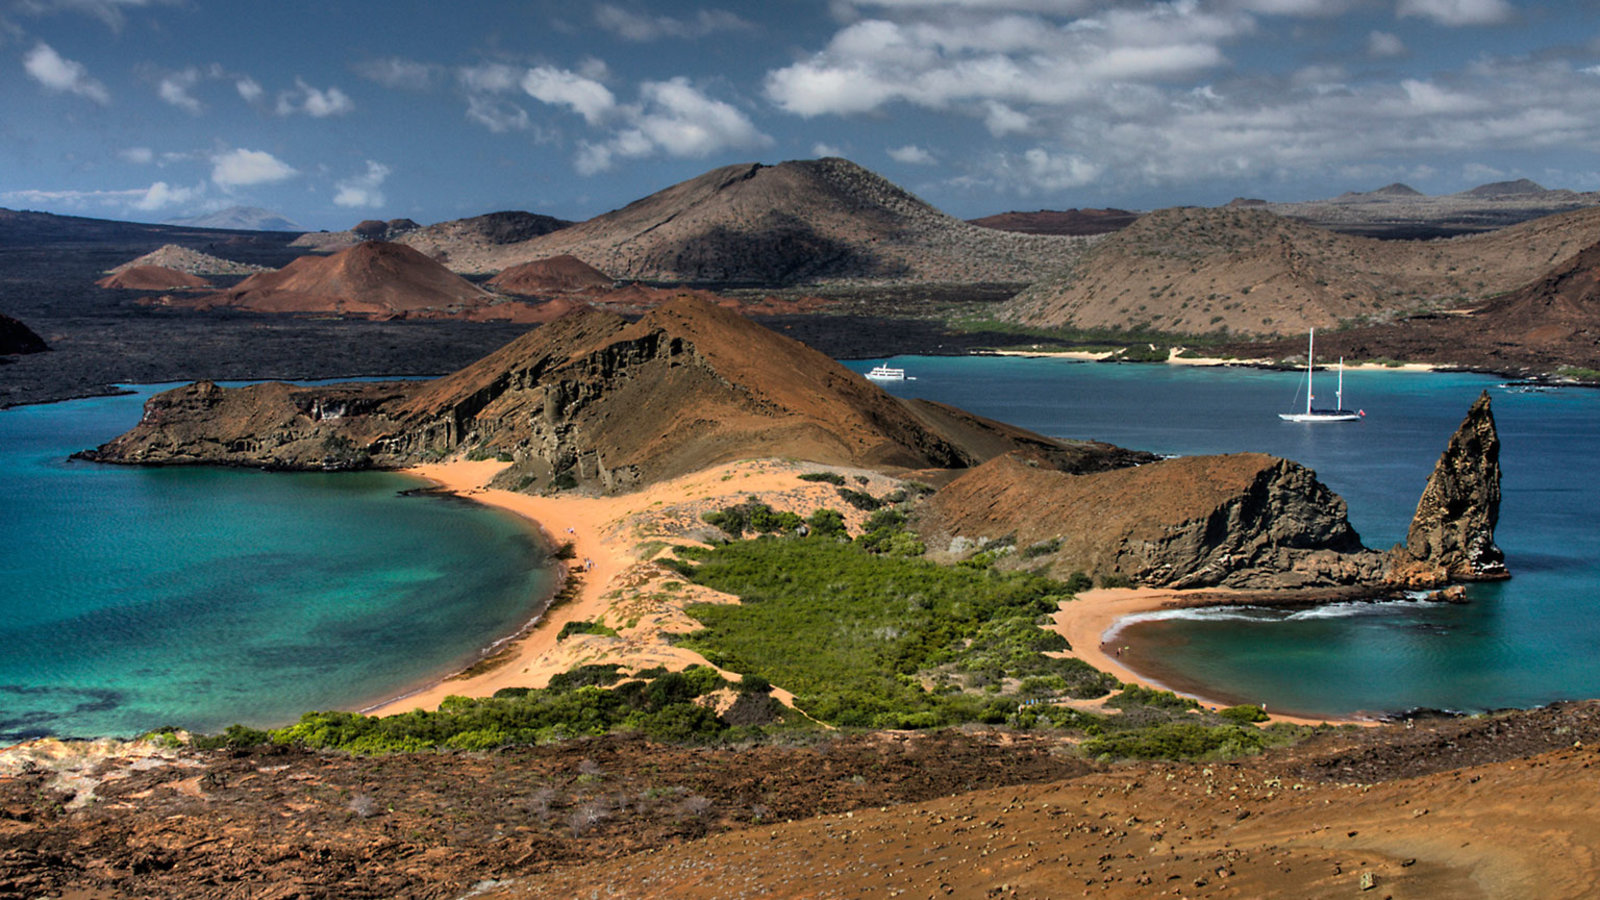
199, 597
1524, 642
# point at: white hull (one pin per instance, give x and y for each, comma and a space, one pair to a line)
1343, 415
885, 373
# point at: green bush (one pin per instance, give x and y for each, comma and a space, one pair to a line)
1246, 714
859, 499
572, 628
829, 477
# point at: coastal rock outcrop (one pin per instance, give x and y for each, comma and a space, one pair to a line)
1452, 534
1242, 520
597, 400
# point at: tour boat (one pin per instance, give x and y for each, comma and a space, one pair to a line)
1338, 413
885, 373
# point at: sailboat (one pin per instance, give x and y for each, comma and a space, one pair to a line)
1338, 413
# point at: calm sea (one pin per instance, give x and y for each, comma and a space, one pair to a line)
198, 597
1521, 643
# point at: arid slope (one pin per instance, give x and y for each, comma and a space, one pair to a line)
1248, 272
793, 223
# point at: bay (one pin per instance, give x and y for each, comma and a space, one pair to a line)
1524, 642
199, 597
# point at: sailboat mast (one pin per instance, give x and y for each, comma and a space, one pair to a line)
1338, 395
1311, 355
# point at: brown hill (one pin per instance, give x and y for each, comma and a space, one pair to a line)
17, 338
1242, 520
1081, 222
595, 399
153, 278
556, 275
1550, 325
1247, 271
792, 223
374, 279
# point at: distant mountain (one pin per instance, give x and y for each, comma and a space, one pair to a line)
1246, 271
239, 218
1521, 186
1081, 222
793, 223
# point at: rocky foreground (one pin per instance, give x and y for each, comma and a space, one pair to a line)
1493, 806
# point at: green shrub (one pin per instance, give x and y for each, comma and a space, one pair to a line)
826, 523
829, 477
859, 499
1246, 714
572, 628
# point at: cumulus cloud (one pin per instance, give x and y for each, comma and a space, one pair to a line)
673, 118
821, 149
1012, 59
1457, 13
911, 155
44, 65
242, 168
489, 78
642, 27
161, 195
139, 156
560, 87
318, 104
363, 190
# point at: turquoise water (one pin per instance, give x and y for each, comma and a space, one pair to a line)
1523, 642
198, 597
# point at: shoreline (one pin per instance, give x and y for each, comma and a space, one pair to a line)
1087, 620
1173, 359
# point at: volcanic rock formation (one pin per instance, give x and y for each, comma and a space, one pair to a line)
376, 279
547, 277
792, 223
1081, 222
1452, 534
1243, 520
191, 261
153, 278
597, 400
17, 338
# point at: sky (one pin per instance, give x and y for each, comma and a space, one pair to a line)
334, 112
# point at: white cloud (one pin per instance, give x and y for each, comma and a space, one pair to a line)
1014, 60
641, 27
1383, 45
559, 87
498, 117
249, 89
318, 104
911, 155
820, 149
489, 78
175, 87
242, 168
44, 65
363, 190
394, 72
139, 156
673, 118
1457, 12
161, 195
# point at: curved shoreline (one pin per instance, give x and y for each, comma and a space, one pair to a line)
1086, 622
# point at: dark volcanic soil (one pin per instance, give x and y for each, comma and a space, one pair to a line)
944, 814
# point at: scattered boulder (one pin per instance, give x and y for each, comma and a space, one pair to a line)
1452, 534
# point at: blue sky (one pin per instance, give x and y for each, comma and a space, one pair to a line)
334, 112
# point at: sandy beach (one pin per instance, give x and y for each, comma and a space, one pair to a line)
1085, 622
615, 538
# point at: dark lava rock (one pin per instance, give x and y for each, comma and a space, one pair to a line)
16, 338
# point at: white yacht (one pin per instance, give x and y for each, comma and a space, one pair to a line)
1338, 413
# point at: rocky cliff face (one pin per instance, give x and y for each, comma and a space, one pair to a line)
1452, 534
1244, 520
